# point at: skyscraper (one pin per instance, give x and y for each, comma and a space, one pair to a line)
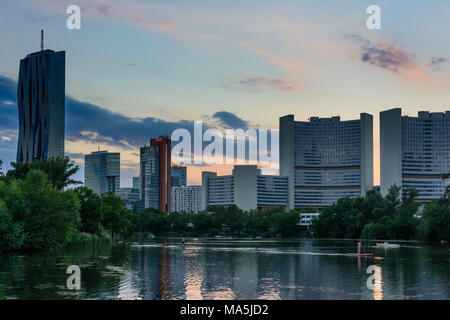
326, 159
178, 176
102, 172
415, 152
156, 174
41, 105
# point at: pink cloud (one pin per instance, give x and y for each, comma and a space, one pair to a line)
165, 25
391, 57
273, 57
130, 16
105, 9
261, 81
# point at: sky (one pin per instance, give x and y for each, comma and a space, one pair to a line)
138, 69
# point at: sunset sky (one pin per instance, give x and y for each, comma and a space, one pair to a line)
138, 69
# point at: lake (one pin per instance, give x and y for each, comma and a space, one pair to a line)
231, 269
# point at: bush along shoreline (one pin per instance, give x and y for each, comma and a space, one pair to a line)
38, 212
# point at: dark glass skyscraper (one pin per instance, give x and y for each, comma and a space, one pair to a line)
41, 104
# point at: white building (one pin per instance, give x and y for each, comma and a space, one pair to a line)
246, 188
186, 199
415, 152
306, 218
326, 159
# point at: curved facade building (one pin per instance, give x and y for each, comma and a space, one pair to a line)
326, 159
41, 106
415, 152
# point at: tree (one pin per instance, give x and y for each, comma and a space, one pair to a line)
51, 214
59, 170
115, 216
285, 223
90, 211
12, 235
436, 218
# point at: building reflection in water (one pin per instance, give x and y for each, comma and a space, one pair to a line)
378, 285
193, 276
164, 280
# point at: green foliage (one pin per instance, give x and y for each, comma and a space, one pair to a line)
435, 224
230, 221
115, 216
51, 213
36, 214
154, 221
59, 170
44, 214
90, 211
371, 217
82, 239
12, 235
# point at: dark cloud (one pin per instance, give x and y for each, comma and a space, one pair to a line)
230, 120
384, 55
8, 107
89, 122
86, 121
437, 63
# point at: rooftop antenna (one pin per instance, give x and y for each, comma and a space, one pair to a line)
42, 40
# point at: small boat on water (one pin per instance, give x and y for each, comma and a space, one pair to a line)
367, 255
387, 245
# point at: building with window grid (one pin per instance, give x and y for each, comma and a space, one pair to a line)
326, 159
415, 152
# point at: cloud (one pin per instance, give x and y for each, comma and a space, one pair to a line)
391, 57
230, 120
87, 122
105, 9
261, 81
436, 63
272, 57
8, 110
165, 25
383, 54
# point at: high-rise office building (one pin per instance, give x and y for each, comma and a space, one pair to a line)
41, 106
186, 198
178, 176
246, 188
155, 174
102, 172
137, 183
415, 152
326, 159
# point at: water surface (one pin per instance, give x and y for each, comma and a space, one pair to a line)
230, 269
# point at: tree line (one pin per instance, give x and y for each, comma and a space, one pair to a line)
393, 217
221, 221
